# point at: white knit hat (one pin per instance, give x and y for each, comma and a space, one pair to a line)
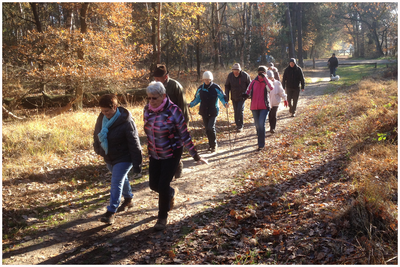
270, 73
236, 66
208, 75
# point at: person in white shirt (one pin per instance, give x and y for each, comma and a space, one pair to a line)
275, 97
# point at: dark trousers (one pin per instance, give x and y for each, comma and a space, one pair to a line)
292, 95
209, 124
333, 71
238, 109
272, 118
161, 172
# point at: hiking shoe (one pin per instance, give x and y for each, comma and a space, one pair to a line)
172, 201
178, 172
293, 115
214, 149
259, 149
126, 205
160, 225
272, 131
239, 130
108, 217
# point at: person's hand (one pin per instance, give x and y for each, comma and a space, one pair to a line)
262, 75
302, 90
201, 161
286, 103
226, 105
245, 96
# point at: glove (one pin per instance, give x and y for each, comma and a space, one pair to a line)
286, 103
245, 96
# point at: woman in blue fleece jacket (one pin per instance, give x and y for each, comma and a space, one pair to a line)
207, 95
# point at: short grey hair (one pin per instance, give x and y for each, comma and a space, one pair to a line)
156, 88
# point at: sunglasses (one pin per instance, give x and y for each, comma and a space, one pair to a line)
152, 98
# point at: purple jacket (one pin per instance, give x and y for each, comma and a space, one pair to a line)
166, 131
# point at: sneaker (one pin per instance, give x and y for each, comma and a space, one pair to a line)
172, 201
108, 217
126, 205
272, 131
293, 114
259, 149
178, 172
239, 130
160, 225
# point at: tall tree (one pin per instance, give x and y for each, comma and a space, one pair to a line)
299, 34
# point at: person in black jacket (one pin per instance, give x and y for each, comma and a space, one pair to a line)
117, 141
236, 84
333, 63
292, 78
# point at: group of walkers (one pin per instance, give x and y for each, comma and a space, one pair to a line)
166, 121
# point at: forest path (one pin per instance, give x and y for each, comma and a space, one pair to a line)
202, 187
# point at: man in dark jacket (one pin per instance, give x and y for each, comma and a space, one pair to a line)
333, 63
292, 78
236, 84
176, 95
116, 139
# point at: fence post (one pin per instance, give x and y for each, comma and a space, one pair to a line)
375, 65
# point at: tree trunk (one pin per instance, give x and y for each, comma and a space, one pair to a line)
159, 34
243, 50
198, 48
40, 30
153, 38
250, 28
79, 88
289, 22
300, 36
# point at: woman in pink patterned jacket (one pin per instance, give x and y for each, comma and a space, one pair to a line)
167, 133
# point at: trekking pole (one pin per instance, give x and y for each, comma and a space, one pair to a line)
229, 127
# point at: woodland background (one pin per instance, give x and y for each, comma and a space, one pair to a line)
79, 48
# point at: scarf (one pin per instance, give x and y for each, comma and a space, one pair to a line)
104, 130
157, 109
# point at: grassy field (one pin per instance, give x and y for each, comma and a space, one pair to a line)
59, 151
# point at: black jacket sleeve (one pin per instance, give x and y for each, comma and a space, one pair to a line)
135, 150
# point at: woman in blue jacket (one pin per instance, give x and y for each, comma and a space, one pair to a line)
207, 95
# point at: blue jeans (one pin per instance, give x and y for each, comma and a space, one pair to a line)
209, 124
119, 184
260, 116
238, 108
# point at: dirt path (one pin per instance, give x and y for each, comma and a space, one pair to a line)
202, 187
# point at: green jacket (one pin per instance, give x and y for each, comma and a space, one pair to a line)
177, 96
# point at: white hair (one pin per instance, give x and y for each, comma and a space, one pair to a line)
156, 88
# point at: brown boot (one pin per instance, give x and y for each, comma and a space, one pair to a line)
128, 203
108, 217
172, 201
160, 225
